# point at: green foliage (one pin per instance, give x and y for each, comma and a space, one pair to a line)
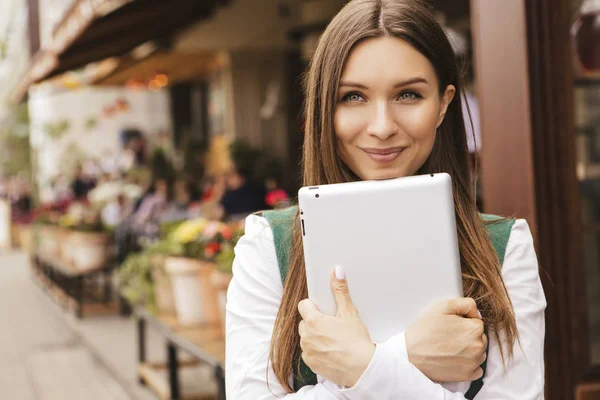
135, 280
135, 274
57, 129
91, 122
165, 247
47, 218
166, 228
72, 156
224, 259
15, 156
15, 149
91, 227
3, 48
178, 239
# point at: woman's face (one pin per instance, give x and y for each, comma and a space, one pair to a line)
388, 109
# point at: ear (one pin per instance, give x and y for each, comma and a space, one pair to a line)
445, 102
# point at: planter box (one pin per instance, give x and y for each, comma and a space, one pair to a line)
25, 233
195, 299
64, 245
48, 241
89, 250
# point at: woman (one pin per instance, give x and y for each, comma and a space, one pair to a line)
384, 101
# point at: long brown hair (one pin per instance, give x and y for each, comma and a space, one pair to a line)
414, 22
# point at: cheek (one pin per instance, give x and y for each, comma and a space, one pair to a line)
420, 122
348, 123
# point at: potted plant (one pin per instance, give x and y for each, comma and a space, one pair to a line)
89, 241
196, 300
143, 281
142, 278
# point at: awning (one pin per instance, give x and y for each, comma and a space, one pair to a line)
180, 67
94, 30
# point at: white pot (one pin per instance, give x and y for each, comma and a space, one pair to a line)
195, 300
89, 250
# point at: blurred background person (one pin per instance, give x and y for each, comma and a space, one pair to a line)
242, 195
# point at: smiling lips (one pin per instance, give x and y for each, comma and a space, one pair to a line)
383, 155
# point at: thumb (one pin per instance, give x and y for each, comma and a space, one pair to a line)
339, 287
466, 307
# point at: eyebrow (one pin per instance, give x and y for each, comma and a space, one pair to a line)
397, 85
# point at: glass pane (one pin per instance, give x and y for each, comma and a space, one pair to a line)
587, 103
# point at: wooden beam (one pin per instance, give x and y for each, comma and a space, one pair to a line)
559, 206
33, 14
500, 47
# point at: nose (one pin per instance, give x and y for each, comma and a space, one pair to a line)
383, 124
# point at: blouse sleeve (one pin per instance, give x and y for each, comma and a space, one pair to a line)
253, 301
523, 376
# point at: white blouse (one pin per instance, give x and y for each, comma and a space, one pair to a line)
253, 301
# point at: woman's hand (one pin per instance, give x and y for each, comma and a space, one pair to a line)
338, 348
447, 342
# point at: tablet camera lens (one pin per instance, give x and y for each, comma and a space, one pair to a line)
317, 195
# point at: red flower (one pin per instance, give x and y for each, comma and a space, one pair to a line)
227, 233
276, 196
212, 249
208, 253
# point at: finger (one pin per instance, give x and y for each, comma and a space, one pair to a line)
482, 358
304, 357
302, 328
339, 286
484, 340
465, 307
308, 310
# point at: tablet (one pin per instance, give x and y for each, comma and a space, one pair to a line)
396, 240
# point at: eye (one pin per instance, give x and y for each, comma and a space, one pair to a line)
409, 96
353, 97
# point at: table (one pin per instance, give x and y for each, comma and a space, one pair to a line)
89, 291
205, 344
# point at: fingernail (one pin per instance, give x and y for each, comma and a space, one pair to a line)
480, 317
339, 273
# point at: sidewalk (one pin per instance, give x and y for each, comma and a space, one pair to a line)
41, 358
96, 351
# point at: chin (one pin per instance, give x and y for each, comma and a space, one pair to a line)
382, 175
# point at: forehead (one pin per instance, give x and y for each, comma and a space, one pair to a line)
386, 58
